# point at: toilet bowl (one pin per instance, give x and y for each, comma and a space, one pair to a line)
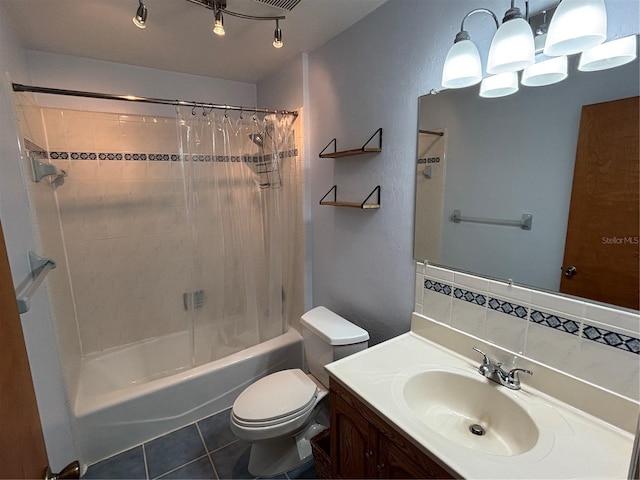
280, 413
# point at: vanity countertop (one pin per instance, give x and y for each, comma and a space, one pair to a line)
571, 442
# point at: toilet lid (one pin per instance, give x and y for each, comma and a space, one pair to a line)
274, 396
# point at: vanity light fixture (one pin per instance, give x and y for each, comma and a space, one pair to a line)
463, 68
576, 26
140, 18
512, 47
219, 8
546, 72
609, 55
499, 85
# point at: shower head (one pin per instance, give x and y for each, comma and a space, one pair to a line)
257, 138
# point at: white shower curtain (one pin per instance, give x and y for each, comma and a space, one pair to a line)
238, 210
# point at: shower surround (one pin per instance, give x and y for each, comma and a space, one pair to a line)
132, 231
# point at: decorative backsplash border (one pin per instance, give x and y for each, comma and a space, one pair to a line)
589, 332
41, 153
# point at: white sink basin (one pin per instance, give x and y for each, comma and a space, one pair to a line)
453, 404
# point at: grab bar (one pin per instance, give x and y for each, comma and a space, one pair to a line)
524, 223
40, 267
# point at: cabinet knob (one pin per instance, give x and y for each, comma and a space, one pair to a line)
380, 467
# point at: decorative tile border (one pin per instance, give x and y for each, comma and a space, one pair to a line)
553, 321
564, 325
39, 152
617, 340
437, 287
508, 308
470, 297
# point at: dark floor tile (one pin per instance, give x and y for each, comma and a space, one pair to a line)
216, 430
129, 464
232, 461
307, 470
198, 469
173, 450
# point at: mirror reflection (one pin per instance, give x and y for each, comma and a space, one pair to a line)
496, 189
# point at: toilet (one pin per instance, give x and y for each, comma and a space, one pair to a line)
281, 412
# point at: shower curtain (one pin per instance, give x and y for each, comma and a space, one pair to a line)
240, 227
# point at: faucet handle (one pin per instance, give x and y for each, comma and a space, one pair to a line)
486, 360
513, 374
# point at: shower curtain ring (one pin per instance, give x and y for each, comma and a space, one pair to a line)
204, 110
241, 117
193, 110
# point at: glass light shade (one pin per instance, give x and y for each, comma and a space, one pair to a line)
499, 85
462, 68
609, 55
545, 72
577, 25
512, 47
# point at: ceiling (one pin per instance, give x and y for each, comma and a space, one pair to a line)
179, 34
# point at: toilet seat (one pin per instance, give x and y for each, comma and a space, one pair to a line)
275, 399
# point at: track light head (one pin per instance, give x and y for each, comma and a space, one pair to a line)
277, 36
218, 25
140, 18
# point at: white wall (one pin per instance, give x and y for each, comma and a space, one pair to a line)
371, 76
75, 73
20, 238
288, 89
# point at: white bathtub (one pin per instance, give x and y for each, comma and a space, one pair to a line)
118, 406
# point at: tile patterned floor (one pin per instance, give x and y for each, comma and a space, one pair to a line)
207, 449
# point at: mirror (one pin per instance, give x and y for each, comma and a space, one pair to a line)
506, 159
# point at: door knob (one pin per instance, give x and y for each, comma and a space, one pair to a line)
570, 271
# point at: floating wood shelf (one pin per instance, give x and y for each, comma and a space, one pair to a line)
363, 206
357, 151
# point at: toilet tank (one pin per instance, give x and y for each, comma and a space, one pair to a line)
328, 337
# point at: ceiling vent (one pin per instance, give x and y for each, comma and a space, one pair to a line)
283, 4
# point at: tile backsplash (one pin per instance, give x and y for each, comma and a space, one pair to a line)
593, 342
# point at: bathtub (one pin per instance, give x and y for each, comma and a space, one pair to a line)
120, 403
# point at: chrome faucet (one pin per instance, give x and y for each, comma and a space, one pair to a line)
493, 371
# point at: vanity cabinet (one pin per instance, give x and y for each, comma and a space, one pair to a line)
363, 445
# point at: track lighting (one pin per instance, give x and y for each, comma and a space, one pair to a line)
219, 8
218, 25
140, 18
277, 36
575, 26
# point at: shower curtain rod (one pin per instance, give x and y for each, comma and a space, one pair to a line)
17, 87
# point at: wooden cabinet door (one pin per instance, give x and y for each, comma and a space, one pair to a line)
352, 445
397, 462
22, 451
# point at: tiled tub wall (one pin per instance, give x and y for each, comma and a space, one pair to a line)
123, 217
590, 341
